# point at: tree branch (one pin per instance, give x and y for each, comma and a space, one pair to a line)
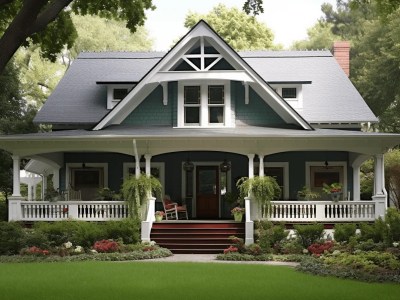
48, 15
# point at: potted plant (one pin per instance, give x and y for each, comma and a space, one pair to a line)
237, 213
262, 189
334, 190
105, 194
159, 215
307, 194
136, 192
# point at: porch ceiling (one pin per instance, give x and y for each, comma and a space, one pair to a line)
157, 140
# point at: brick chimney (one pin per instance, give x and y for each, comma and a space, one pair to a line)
341, 51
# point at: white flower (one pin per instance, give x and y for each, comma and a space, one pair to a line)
68, 245
305, 251
93, 251
78, 249
395, 244
152, 243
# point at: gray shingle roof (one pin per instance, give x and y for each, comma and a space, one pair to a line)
330, 98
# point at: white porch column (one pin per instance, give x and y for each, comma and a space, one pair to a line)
380, 195
251, 165
356, 183
147, 157
261, 166
379, 178
16, 176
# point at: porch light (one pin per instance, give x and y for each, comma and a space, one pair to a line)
225, 166
188, 166
326, 164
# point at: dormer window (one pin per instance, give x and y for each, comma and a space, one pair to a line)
292, 93
117, 92
204, 104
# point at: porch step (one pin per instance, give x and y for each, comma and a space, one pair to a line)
207, 237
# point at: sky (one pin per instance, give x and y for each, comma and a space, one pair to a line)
288, 19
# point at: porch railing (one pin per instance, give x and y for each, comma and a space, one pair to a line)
323, 211
62, 210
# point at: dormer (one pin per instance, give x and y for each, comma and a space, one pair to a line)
116, 91
291, 92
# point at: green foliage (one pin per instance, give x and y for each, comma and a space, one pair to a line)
253, 7
11, 238
290, 246
240, 31
375, 231
3, 209
236, 256
127, 230
319, 36
392, 220
136, 192
262, 189
343, 232
309, 233
269, 234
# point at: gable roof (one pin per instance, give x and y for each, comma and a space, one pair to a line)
161, 73
330, 98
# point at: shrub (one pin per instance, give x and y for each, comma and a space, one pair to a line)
106, 246
343, 232
392, 220
127, 230
318, 249
35, 238
310, 233
289, 246
36, 251
270, 234
11, 238
254, 249
3, 209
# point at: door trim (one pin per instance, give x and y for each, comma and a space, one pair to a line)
70, 166
202, 163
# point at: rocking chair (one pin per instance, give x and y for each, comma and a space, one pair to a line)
173, 210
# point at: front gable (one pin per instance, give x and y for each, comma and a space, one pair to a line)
204, 68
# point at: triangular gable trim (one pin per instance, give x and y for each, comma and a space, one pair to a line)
150, 81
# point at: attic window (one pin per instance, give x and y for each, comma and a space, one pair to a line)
289, 93
119, 94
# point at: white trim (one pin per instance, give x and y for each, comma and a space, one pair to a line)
202, 29
321, 164
69, 166
159, 165
111, 102
285, 166
296, 103
204, 106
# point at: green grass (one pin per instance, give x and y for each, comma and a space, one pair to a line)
154, 280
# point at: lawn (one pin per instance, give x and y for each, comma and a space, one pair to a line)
154, 280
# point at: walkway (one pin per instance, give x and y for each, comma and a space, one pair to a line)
210, 258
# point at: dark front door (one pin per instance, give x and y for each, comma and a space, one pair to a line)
207, 192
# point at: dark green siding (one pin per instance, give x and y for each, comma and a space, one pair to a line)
257, 112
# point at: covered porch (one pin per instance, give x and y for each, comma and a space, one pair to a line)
248, 150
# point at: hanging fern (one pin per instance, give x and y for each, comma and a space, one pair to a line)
262, 189
136, 192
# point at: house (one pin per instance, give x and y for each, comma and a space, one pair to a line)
198, 118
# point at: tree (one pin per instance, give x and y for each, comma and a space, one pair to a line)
320, 36
239, 30
254, 7
49, 24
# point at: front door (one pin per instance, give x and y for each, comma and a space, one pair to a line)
88, 181
207, 192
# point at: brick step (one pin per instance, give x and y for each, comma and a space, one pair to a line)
228, 231
166, 224
219, 247
209, 235
166, 240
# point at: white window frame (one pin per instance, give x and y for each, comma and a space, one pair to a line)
322, 167
294, 102
159, 165
111, 102
204, 106
285, 166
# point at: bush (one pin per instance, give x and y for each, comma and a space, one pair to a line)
309, 234
127, 230
35, 238
318, 249
3, 210
392, 220
106, 246
375, 231
269, 234
289, 246
343, 232
11, 238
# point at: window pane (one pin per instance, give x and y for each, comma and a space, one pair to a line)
192, 95
120, 94
216, 115
192, 115
289, 92
216, 94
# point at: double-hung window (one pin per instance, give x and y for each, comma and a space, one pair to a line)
204, 105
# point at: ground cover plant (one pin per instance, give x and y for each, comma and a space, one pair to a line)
153, 280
